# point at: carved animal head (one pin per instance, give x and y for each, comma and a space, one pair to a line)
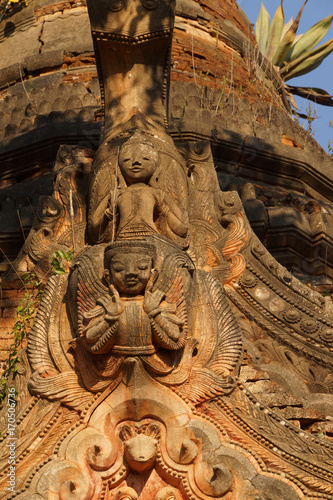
140, 446
140, 452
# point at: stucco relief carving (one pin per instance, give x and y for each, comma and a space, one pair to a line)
138, 187
136, 349
60, 221
135, 320
142, 299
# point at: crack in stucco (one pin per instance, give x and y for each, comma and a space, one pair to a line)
40, 38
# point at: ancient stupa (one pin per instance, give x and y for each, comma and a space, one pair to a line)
172, 356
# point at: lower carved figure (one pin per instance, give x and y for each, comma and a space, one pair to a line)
130, 318
139, 299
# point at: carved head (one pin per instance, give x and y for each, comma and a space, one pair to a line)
138, 159
140, 452
140, 446
128, 266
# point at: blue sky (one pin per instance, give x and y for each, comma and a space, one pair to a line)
322, 77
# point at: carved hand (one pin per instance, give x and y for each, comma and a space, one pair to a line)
159, 193
109, 213
152, 301
177, 218
112, 304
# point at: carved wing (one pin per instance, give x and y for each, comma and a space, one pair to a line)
170, 281
38, 345
102, 194
203, 384
172, 182
87, 279
53, 376
229, 342
220, 339
220, 346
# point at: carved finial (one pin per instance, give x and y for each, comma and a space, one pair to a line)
126, 493
167, 493
134, 73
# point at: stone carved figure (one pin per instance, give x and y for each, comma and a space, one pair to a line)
131, 317
135, 193
139, 303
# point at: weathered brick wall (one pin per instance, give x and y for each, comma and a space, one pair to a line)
214, 46
11, 294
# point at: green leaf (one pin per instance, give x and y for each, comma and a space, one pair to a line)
60, 253
287, 40
262, 28
59, 271
311, 38
275, 32
308, 62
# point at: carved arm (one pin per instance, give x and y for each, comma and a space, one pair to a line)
176, 217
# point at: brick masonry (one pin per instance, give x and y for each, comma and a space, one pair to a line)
11, 294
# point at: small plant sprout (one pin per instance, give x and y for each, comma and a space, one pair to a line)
60, 261
24, 318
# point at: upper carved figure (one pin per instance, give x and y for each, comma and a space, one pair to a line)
139, 196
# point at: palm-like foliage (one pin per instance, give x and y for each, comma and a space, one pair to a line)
294, 55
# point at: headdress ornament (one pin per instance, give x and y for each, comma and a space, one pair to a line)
133, 246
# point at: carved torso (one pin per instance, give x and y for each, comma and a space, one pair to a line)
136, 205
134, 335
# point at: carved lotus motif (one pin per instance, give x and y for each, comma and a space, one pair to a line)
326, 335
292, 315
309, 325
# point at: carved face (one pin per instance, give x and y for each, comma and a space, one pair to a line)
130, 272
140, 452
138, 162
